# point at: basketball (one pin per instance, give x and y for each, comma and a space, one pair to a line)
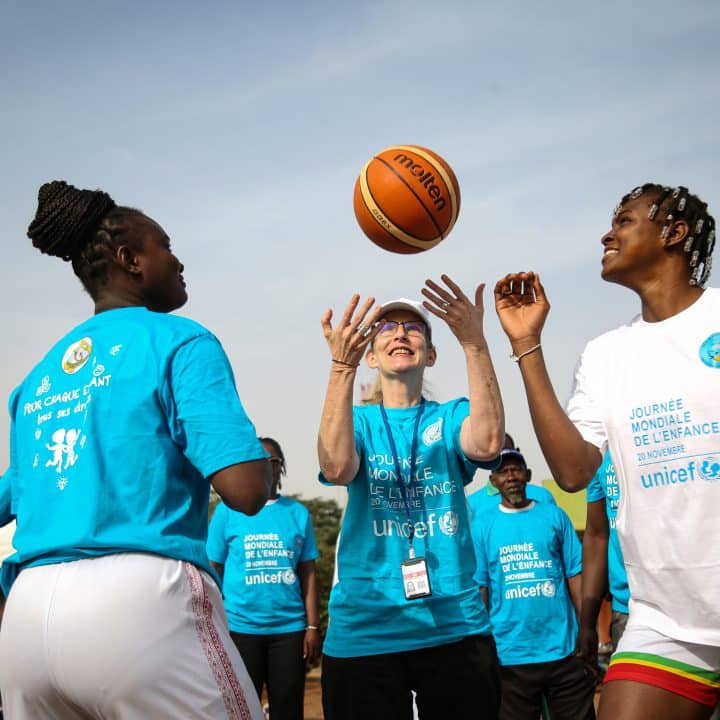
406, 199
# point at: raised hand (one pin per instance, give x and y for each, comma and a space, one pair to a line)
355, 331
463, 317
522, 306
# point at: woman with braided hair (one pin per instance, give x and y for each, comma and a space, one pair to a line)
649, 392
116, 435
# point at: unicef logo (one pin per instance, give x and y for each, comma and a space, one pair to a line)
548, 588
288, 577
709, 468
710, 351
433, 433
448, 523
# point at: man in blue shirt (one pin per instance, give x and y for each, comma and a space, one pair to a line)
488, 495
528, 570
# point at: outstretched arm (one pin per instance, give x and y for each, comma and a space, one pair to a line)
483, 431
338, 457
522, 307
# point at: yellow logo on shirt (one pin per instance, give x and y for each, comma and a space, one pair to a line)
77, 355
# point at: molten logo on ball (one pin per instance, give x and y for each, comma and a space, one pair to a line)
406, 199
424, 177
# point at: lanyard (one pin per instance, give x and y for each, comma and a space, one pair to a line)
413, 459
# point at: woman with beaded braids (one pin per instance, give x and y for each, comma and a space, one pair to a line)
116, 435
649, 391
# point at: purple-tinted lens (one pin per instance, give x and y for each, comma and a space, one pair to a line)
411, 326
415, 326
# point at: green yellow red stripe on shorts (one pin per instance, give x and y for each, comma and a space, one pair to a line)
702, 686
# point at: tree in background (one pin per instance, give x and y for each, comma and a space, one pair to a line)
326, 516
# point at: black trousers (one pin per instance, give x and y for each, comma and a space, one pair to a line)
460, 680
568, 687
276, 661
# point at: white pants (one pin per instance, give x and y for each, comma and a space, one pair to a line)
120, 637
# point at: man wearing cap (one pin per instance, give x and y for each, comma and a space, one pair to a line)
488, 495
405, 613
529, 560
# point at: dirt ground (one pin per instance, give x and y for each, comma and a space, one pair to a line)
313, 699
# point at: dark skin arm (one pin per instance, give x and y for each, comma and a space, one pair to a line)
244, 487
219, 569
308, 583
522, 307
594, 579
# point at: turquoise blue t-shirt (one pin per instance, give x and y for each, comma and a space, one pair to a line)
524, 559
604, 486
261, 553
6, 514
113, 436
369, 614
488, 497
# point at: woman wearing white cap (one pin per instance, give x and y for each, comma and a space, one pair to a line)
405, 614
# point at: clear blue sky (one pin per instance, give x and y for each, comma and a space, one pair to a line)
241, 128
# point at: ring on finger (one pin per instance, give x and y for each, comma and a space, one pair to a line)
445, 304
362, 329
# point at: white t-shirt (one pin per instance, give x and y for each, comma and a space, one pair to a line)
651, 393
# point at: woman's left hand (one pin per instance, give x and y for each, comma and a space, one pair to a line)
464, 318
311, 646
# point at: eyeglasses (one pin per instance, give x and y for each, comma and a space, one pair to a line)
411, 327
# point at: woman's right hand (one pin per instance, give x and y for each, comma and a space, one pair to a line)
355, 331
522, 307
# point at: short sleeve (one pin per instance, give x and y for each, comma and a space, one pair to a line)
6, 512
217, 548
309, 549
8, 487
482, 575
358, 433
583, 407
596, 489
571, 547
206, 417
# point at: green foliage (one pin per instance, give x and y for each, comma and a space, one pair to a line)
326, 516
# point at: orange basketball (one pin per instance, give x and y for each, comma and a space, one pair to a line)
407, 199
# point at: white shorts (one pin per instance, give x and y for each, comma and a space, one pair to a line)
646, 656
120, 637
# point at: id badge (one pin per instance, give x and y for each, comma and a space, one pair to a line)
416, 580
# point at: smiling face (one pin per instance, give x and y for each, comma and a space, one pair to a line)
401, 349
160, 272
638, 249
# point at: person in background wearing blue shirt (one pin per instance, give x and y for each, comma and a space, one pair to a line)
603, 564
488, 496
115, 437
528, 570
405, 614
267, 563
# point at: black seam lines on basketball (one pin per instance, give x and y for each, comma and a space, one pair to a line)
370, 212
419, 199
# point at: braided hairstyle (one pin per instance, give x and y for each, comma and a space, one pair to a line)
672, 204
81, 226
